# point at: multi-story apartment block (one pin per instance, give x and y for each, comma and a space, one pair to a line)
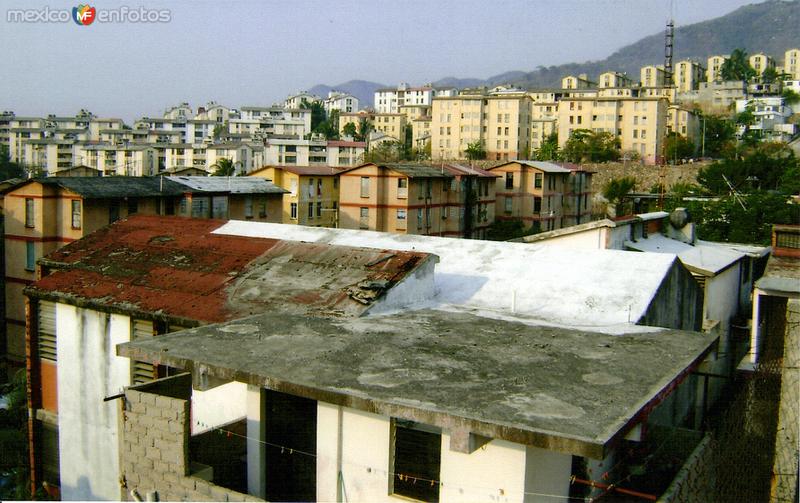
688, 75
686, 122
180, 112
543, 121
761, 62
346, 153
123, 160
580, 82
180, 156
639, 123
445, 200
791, 64
545, 196
313, 193
653, 76
390, 100
501, 122
48, 155
714, 67
421, 132
343, 102
718, 95
162, 130
390, 124
268, 121
296, 100
213, 111
771, 117
245, 157
613, 80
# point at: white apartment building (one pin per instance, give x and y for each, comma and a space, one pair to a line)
214, 112
296, 100
179, 112
389, 100
119, 160
714, 67
343, 102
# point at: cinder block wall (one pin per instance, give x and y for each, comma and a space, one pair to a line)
154, 448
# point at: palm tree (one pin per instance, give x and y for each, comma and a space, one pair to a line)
224, 167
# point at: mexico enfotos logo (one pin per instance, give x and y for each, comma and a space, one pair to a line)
86, 15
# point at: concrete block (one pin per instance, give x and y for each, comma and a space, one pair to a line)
148, 399
164, 402
162, 468
219, 493
176, 427
137, 408
153, 454
179, 405
189, 483
234, 496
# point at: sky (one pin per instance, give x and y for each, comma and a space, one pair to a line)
258, 52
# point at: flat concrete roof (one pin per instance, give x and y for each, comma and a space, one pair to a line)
566, 390
699, 258
782, 275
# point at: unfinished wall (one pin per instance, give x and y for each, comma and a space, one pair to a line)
678, 303
89, 371
155, 445
413, 289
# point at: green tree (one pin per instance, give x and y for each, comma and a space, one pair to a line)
737, 67
364, 128
790, 97
677, 147
219, 131
317, 112
503, 230
769, 75
616, 189
584, 145
548, 151
385, 151
718, 136
475, 151
224, 167
763, 166
9, 169
350, 130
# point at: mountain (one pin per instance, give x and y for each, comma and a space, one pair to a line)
361, 89
770, 27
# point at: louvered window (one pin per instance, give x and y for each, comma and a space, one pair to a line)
142, 372
47, 331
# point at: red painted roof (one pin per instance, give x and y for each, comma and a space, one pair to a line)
176, 267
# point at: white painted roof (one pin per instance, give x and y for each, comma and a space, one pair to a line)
547, 167
700, 257
603, 290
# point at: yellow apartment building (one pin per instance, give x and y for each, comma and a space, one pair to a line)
791, 63
761, 62
639, 123
391, 124
501, 122
544, 115
688, 75
653, 76
686, 122
580, 82
613, 80
41, 215
544, 195
714, 67
313, 193
444, 200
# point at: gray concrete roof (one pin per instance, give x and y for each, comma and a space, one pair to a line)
230, 184
561, 389
782, 275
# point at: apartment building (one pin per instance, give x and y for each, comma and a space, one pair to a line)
245, 157
390, 100
580, 82
180, 156
639, 123
716, 97
686, 122
113, 159
48, 155
714, 67
343, 102
544, 195
313, 193
315, 151
543, 122
445, 200
501, 122
613, 80
180, 112
296, 100
653, 76
345, 153
390, 124
213, 111
269, 121
687, 75
791, 64
761, 62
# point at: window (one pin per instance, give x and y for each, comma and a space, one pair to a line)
30, 256
319, 209
416, 460
509, 205
335, 182
319, 186
76, 214
537, 204
310, 187
113, 211
29, 217
537, 180
509, 180
310, 210
402, 188
133, 206
364, 186
419, 218
293, 211
401, 214
293, 186
364, 218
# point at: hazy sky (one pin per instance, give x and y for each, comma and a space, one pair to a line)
258, 52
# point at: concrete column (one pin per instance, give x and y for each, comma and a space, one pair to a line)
329, 452
755, 327
256, 449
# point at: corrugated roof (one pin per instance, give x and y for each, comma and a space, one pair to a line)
460, 169
94, 187
547, 167
176, 267
230, 184
419, 170
310, 170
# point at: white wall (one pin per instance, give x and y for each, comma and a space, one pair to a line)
218, 406
413, 289
592, 239
358, 444
88, 371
